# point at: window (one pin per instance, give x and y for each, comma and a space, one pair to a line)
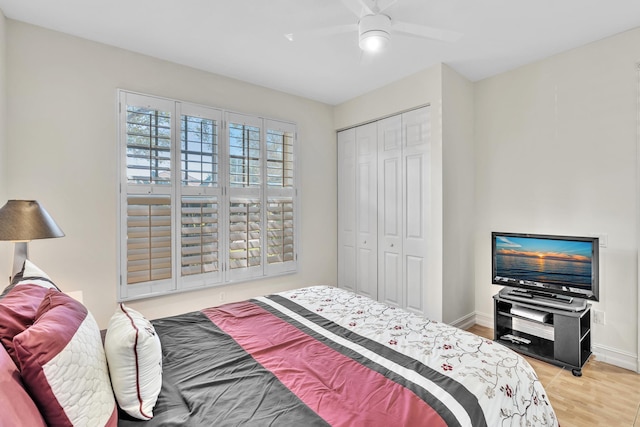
207, 197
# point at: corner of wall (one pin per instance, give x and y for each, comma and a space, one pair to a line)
458, 176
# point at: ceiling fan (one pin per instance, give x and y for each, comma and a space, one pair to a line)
375, 27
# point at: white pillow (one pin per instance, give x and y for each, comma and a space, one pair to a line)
134, 356
33, 275
32, 270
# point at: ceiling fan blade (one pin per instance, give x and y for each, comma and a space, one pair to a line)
426, 32
384, 5
358, 7
321, 32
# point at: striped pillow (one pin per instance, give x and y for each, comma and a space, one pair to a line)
63, 365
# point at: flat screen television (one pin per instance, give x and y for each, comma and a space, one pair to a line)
546, 265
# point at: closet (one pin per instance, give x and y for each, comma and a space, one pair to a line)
382, 209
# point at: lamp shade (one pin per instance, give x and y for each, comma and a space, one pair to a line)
24, 220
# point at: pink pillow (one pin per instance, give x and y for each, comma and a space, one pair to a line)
63, 364
21, 411
20, 301
17, 312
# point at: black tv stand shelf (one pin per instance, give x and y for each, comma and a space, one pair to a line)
560, 337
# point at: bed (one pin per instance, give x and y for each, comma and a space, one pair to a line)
325, 356
314, 356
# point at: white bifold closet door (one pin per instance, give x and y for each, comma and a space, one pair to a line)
357, 217
402, 204
382, 213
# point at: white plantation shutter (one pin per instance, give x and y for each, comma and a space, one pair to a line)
245, 238
201, 195
280, 160
148, 131
148, 238
199, 147
245, 162
245, 151
281, 198
146, 201
203, 201
148, 145
199, 235
280, 230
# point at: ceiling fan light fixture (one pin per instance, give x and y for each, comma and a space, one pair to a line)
374, 32
374, 41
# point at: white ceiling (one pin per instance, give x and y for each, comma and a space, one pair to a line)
244, 39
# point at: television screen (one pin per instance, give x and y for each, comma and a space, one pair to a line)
558, 264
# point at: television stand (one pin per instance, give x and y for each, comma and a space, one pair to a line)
542, 298
560, 337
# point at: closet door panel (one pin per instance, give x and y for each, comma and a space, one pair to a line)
415, 282
347, 209
390, 269
366, 274
390, 232
415, 129
367, 207
414, 172
390, 206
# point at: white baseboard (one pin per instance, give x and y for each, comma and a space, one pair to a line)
615, 357
603, 353
485, 320
465, 322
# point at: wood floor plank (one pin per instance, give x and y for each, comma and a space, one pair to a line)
605, 395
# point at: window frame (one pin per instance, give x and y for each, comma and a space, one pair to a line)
221, 191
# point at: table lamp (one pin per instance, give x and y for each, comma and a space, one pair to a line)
22, 221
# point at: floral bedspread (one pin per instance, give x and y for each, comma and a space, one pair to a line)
506, 387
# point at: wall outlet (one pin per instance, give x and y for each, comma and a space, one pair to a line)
598, 317
223, 297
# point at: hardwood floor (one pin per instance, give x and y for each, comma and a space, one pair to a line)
605, 395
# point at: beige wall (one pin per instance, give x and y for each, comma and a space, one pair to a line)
416, 90
62, 143
5, 248
556, 153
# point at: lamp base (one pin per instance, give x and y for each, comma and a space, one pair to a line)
20, 254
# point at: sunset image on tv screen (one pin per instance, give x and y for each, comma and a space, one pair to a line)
558, 262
